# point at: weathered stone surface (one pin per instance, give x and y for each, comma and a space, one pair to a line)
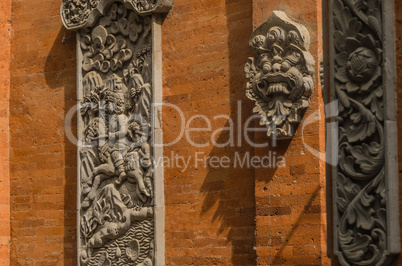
365, 195
280, 74
115, 129
116, 168
76, 14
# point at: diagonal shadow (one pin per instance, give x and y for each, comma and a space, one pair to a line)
307, 209
60, 72
229, 192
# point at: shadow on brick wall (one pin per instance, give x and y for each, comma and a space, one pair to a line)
230, 191
60, 72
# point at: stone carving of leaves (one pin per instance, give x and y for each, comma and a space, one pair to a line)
361, 162
342, 97
346, 190
358, 84
88, 226
250, 68
375, 102
362, 228
364, 123
101, 213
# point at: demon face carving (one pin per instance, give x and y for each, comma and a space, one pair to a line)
280, 74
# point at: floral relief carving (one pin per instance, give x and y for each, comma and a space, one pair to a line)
360, 192
280, 74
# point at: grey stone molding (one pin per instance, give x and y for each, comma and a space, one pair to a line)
361, 82
120, 191
280, 74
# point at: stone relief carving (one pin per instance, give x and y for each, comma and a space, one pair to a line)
361, 178
116, 169
76, 14
280, 74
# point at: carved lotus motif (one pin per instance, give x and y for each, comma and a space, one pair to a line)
280, 74
358, 62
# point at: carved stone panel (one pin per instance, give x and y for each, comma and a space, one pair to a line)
116, 169
361, 80
280, 74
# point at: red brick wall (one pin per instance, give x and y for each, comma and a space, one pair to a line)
5, 56
42, 160
209, 212
290, 200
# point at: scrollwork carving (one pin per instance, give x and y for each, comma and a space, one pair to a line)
360, 187
280, 74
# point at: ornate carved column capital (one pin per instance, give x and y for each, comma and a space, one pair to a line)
280, 74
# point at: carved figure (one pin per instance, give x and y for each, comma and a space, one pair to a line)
280, 74
138, 159
115, 159
117, 124
111, 223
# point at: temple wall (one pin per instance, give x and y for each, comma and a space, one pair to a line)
42, 159
213, 215
290, 200
5, 61
209, 211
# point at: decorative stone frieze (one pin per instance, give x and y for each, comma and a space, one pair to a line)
280, 74
365, 180
116, 174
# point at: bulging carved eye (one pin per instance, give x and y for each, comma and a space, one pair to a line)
285, 66
266, 68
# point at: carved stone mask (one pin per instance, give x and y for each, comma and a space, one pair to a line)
280, 74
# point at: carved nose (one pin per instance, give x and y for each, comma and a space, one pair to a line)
276, 68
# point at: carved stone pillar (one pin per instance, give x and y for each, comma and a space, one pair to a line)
120, 193
362, 133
